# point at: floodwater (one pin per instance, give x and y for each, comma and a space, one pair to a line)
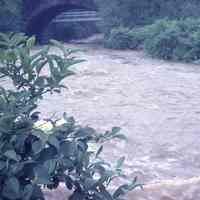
156, 103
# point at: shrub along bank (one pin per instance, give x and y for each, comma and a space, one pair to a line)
166, 39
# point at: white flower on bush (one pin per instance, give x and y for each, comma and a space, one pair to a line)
47, 126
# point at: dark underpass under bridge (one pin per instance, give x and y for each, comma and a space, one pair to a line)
39, 13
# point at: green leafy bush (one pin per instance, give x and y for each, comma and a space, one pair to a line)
174, 40
118, 39
31, 158
138, 37
166, 39
125, 38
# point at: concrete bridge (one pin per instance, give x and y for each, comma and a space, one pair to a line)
38, 13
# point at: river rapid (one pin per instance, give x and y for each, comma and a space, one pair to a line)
157, 105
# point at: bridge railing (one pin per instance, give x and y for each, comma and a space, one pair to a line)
77, 16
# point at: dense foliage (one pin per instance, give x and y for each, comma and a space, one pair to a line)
32, 158
11, 15
125, 38
131, 13
174, 40
166, 39
119, 38
172, 35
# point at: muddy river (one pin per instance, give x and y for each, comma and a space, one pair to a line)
157, 105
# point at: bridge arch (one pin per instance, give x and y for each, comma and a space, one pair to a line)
38, 16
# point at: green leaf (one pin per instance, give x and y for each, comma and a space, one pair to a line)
6, 122
85, 132
2, 165
58, 44
44, 51
54, 141
125, 188
68, 148
68, 182
37, 146
120, 162
134, 184
115, 130
11, 154
27, 192
47, 154
37, 192
16, 168
99, 151
40, 63
121, 137
40, 134
50, 165
105, 193
120, 191
41, 175
40, 81
67, 164
30, 42
89, 183
11, 189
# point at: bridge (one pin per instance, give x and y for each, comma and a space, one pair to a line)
77, 16
39, 13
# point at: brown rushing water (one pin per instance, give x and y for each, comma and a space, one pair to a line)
156, 103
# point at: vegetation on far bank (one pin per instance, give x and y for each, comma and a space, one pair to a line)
164, 29
166, 39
